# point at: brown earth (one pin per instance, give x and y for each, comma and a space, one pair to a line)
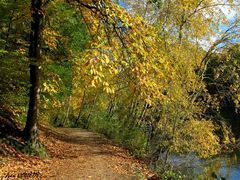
74, 154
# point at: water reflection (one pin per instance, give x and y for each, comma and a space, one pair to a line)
222, 167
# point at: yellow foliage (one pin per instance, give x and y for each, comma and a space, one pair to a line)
195, 136
161, 69
50, 37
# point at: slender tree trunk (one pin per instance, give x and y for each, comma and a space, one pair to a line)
81, 108
143, 112
67, 113
9, 29
183, 21
30, 130
111, 107
91, 111
180, 34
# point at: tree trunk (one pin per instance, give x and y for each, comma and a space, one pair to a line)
81, 109
91, 111
30, 130
67, 113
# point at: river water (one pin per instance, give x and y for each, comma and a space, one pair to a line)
221, 167
227, 166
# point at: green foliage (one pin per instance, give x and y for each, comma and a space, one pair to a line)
36, 148
33, 149
69, 24
133, 138
172, 175
139, 175
13, 61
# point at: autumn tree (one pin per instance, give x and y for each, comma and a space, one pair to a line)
30, 130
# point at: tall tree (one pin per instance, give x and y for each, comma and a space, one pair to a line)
30, 130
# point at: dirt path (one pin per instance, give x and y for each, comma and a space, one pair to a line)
79, 154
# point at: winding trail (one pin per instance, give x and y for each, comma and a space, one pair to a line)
74, 154
94, 158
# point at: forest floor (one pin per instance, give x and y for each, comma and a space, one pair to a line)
73, 154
